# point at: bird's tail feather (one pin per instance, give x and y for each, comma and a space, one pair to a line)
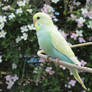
77, 77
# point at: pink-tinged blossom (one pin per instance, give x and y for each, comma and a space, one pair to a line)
64, 34
10, 80
48, 10
81, 39
80, 25
90, 14
89, 38
41, 60
74, 36
80, 21
72, 82
10, 84
84, 12
15, 78
49, 70
71, 73
8, 77
73, 16
83, 63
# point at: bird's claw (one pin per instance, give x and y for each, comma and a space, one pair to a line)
47, 59
56, 61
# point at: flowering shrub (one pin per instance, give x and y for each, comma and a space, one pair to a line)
20, 68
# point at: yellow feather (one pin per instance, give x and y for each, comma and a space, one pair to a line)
77, 77
60, 43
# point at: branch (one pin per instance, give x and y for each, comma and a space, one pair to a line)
59, 62
81, 45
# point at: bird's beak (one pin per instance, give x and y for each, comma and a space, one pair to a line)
34, 22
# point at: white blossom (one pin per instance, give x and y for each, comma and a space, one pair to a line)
79, 33
5, 8
24, 37
69, 86
11, 16
81, 20
1, 26
21, 3
18, 39
30, 11
54, 1
19, 11
84, 12
14, 66
2, 19
0, 59
2, 34
90, 24
62, 67
76, 3
31, 27
24, 28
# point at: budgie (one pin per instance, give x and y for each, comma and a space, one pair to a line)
53, 43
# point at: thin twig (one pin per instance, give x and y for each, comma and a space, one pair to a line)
68, 65
81, 45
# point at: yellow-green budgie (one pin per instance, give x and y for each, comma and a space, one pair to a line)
53, 43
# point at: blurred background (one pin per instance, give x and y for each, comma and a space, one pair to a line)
21, 70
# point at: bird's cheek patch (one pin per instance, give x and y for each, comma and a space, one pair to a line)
38, 24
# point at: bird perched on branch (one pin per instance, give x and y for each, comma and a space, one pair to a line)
53, 43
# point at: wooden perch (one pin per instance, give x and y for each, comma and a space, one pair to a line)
81, 45
59, 62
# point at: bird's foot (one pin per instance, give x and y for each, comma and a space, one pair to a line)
47, 59
56, 61
42, 51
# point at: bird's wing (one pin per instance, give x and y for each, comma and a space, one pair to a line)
61, 45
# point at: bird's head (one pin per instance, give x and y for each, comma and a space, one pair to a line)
41, 19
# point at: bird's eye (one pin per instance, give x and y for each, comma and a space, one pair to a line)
38, 18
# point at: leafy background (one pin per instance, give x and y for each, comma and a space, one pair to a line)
20, 68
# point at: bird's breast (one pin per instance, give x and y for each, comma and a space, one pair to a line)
44, 40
